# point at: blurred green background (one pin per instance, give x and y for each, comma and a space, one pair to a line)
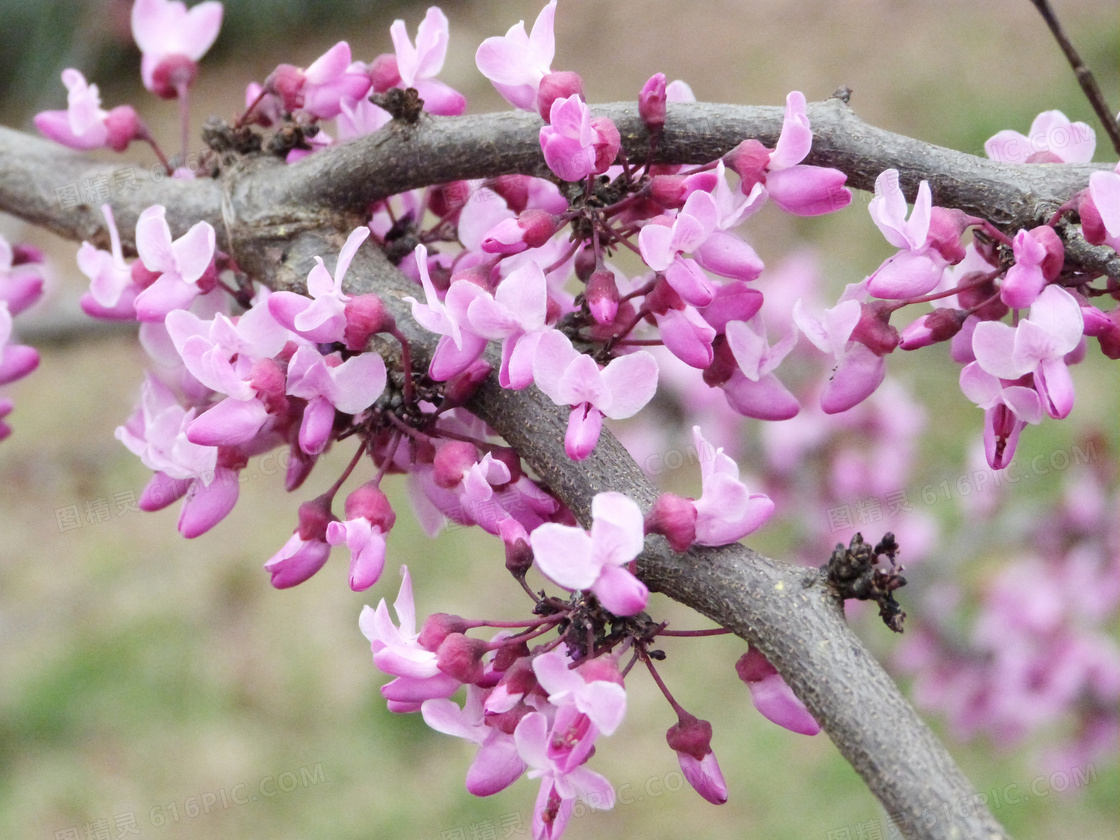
161, 684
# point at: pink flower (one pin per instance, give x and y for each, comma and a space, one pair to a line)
84, 125
497, 763
726, 510
595, 689
515, 63
180, 264
172, 41
859, 371
320, 91
111, 285
369, 517
568, 377
596, 561
329, 384
397, 651
297, 561
568, 141
16, 360
691, 739
323, 319
1007, 410
1052, 139
460, 345
1039, 257
772, 696
753, 390
516, 313
1100, 209
917, 268
560, 769
419, 65
1038, 345
661, 246
796, 187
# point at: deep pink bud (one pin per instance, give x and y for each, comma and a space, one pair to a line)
939, 325
946, 227
585, 263
690, 735
651, 103
1092, 225
124, 126
559, 85
602, 296
461, 387
365, 316
369, 502
452, 461
314, 517
674, 518
438, 627
606, 144
669, 191
384, 73
874, 329
287, 82
749, 160
1055, 257
1105, 327
460, 657
753, 666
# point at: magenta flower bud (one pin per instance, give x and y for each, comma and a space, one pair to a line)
16, 362
1105, 327
314, 517
287, 82
20, 291
606, 144
651, 103
461, 387
669, 191
438, 627
936, 326
365, 316
513, 188
585, 263
749, 160
369, 502
691, 739
460, 657
452, 461
674, 518
874, 329
559, 85
384, 72
602, 296
1092, 225
531, 229
123, 126
269, 381
946, 227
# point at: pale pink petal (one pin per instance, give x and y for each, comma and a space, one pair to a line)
564, 555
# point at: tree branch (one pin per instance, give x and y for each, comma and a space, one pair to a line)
274, 219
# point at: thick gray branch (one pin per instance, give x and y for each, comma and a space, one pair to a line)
274, 219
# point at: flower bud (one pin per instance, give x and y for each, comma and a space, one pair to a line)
674, 518
384, 72
651, 103
437, 627
749, 160
602, 296
874, 329
460, 657
936, 326
558, 85
452, 461
370, 502
366, 316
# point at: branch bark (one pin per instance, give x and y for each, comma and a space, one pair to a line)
274, 219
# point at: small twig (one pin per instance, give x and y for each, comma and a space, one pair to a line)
1084, 75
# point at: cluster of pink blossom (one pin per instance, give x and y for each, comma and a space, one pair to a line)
1036, 650
21, 285
526, 262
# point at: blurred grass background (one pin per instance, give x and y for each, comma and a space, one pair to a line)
143, 676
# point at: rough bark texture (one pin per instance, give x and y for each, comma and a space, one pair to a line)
274, 219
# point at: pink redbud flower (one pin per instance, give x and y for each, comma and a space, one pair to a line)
596, 561
1038, 346
111, 288
297, 561
771, 696
568, 141
726, 510
568, 377
321, 89
796, 187
1100, 209
497, 764
753, 390
350, 387
516, 63
859, 371
21, 281
84, 125
16, 360
321, 319
180, 264
397, 651
369, 517
531, 229
939, 325
691, 739
459, 346
1008, 408
651, 103
419, 64
1052, 139
1039, 256
562, 779
596, 692
917, 268
172, 41
559, 85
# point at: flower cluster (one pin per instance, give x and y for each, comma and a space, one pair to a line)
528, 263
21, 285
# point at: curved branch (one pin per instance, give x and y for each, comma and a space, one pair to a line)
274, 219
